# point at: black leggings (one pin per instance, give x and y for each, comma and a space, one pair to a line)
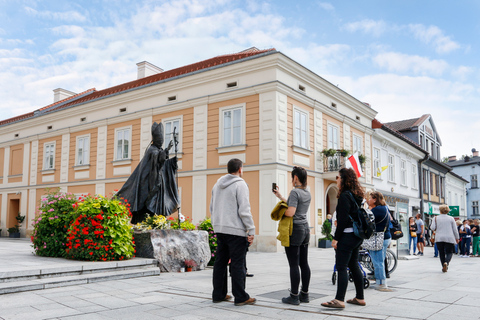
445, 251
298, 261
347, 257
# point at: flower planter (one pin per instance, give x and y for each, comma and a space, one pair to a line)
14, 235
189, 269
322, 243
172, 247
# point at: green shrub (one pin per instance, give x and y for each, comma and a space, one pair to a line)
212, 238
50, 227
101, 230
172, 223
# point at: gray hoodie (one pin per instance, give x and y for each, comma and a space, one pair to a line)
230, 207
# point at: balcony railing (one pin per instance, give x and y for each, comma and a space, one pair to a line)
334, 163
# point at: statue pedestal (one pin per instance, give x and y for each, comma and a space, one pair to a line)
172, 247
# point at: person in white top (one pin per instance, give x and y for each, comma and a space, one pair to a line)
446, 235
466, 233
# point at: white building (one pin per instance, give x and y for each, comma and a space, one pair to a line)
455, 187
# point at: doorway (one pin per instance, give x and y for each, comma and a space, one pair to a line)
13, 210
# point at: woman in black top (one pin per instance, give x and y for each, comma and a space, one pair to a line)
345, 241
412, 235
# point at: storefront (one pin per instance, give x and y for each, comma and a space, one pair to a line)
399, 208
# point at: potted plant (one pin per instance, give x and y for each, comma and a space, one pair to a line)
362, 159
20, 218
14, 232
329, 152
326, 242
190, 264
344, 153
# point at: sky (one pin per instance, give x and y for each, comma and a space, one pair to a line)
405, 58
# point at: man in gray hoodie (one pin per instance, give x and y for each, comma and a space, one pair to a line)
233, 224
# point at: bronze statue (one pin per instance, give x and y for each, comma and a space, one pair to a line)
152, 188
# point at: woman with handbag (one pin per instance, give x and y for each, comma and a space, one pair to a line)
347, 244
446, 235
378, 243
412, 235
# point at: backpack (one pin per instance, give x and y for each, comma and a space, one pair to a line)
395, 229
364, 225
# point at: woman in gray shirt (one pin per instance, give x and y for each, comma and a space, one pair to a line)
446, 235
297, 253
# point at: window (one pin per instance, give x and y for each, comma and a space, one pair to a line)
233, 126
49, 156
425, 181
83, 150
391, 168
431, 182
421, 141
414, 177
300, 134
403, 172
449, 199
333, 140
122, 144
376, 162
169, 125
475, 208
437, 186
473, 181
357, 144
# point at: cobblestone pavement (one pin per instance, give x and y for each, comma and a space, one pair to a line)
421, 291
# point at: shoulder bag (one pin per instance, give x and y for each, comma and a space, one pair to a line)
375, 242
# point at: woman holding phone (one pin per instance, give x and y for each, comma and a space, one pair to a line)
297, 252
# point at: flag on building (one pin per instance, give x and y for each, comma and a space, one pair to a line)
380, 170
353, 162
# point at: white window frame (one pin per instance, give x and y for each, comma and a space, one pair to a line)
377, 162
330, 129
221, 141
86, 155
129, 155
403, 172
391, 167
475, 206
180, 133
300, 134
51, 145
473, 178
414, 177
357, 144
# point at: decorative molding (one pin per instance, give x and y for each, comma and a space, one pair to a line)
64, 157
223, 160
82, 174
281, 128
318, 134
200, 131
121, 171
236, 148
49, 178
34, 163
267, 137
199, 198
302, 161
101, 152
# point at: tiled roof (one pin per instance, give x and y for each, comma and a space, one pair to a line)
405, 125
202, 65
386, 127
93, 94
470, 161
46, 108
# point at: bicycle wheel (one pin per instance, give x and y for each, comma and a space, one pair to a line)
391, 261
366, 261
334, 278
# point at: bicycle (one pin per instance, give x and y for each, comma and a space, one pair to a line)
366, 260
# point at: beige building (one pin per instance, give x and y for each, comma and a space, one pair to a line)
257, 105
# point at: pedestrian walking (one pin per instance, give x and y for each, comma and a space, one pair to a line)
446, 235
382, 220
420, 233
476, 237
347, 244
466, 233
233, 224
297, 251
412, 235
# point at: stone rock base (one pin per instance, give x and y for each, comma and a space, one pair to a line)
172, 247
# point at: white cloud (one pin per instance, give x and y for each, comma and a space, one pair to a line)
326, 6
403, 63
433, 35
70, 16
368, 26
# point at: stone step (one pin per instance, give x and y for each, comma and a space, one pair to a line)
70, 280
75, 268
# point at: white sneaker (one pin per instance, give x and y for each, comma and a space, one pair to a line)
466, 256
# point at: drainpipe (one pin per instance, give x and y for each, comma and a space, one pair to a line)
420, 174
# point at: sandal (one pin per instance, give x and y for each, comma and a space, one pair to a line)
333, 304
357, 302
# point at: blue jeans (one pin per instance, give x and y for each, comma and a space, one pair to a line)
465, 245
436, 249
410, 239
378, 259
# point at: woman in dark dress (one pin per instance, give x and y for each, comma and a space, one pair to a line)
346, 243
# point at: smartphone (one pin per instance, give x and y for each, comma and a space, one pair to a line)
274, 186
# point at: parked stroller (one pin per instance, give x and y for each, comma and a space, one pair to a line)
366, 283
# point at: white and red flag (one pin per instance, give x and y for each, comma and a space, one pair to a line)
354, 163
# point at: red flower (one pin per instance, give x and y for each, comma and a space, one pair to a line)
90, 253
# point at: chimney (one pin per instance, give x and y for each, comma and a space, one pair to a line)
145, 69
60, 94
474, 152
452, 158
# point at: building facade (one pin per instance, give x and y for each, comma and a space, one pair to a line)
456, 195
257, 105
469, 169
